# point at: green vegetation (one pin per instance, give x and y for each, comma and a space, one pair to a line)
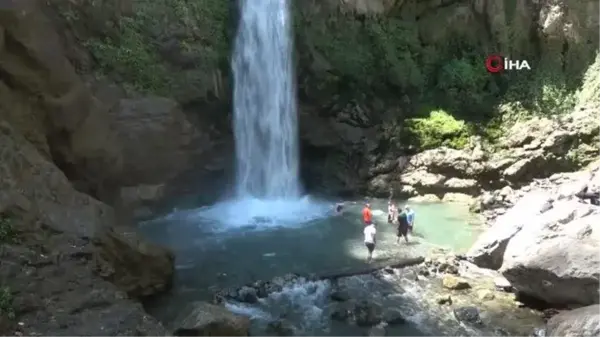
166, 47
6, 303
422, 70
131, 57
439, 129
7, 232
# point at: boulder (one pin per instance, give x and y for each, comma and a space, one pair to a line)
469, 315
454, 282
156, 139
27, 175
555, 257
205, 319
583, 321
488, 250
138, 267
378, 330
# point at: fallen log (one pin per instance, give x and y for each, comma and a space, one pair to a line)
399, 262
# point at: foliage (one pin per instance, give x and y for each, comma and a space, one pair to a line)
439, 129
590, 88
7, 232
129, 56
6, 303
134, 51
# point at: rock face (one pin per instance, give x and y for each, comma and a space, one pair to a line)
156, 138
205, 319
583, 321
546, 245
532, 149
65, 248
59, 156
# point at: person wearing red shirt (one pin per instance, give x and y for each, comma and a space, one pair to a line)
367, 214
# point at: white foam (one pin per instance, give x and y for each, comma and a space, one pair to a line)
248, 311
258, 213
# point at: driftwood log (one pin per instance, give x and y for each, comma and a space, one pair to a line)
399, 262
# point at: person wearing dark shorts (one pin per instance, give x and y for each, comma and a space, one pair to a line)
403, 226
370, 241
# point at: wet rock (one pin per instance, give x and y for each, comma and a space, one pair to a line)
455, 283
290, 278
342, 311
366, 314
378, 330
424, 272
339, 296
393, 316
362, 313
538, 332
583, 321
485, 295
205, 319
468, 315
280, 327
248, 295
388, 270
444, 299
549, 313
502, 283
261, 291
273, 287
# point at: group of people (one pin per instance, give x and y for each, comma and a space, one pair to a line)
403, 220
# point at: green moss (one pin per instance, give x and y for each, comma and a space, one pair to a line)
439, 129
7, 231
130, 57
6, 303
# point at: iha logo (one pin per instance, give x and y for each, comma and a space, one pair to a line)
497, 64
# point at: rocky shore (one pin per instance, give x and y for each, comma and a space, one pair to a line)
443, 295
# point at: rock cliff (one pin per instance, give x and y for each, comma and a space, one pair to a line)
70, 265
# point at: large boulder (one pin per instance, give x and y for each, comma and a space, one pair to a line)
156, 138
136, 266
583, 321
488, 250
205, 319
555, 257
27, 175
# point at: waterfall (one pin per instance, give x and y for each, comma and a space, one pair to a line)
264, 99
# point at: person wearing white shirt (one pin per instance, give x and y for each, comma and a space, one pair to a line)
370, 240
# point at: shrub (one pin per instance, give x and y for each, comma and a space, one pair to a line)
439, 129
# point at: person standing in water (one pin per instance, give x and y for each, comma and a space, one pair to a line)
370, 240
410, 216
392, 212
402, 229
367, 214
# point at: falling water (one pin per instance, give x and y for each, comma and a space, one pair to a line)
265, 121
